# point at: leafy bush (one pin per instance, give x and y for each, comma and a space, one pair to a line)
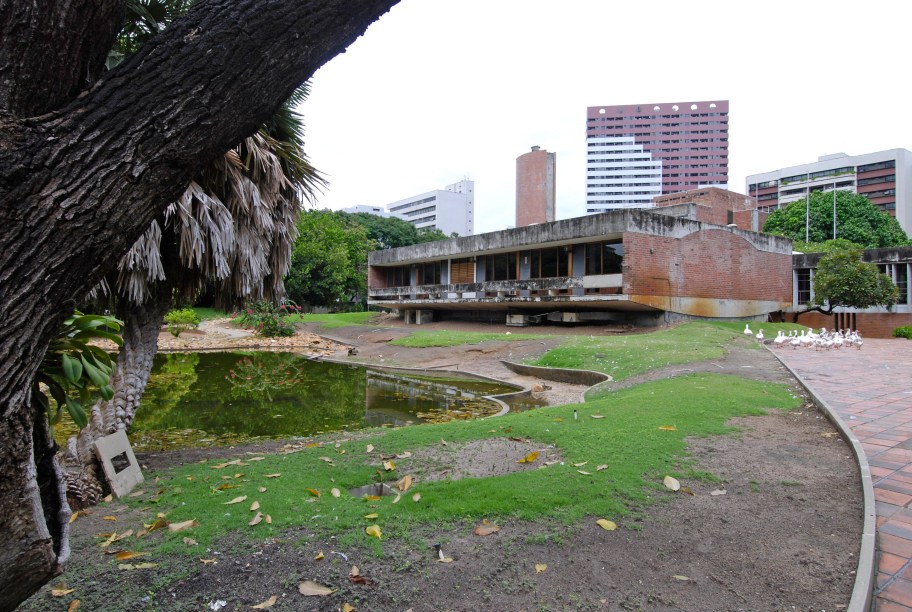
268, 320
903, 331
181, 319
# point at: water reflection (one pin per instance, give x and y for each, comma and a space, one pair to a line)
284, 395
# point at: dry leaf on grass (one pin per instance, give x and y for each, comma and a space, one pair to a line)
373, 531
314, 589
130, 566
372, 515
580, 464
109, 518
266, 604
255, 506
668, 428
175, 527
125, 555
597, 416
584, 472
416, 497
389, 466
335, 492
347, 608
672, 483
60, 591
256, 519
208, 561
190, 542
540, 567
530, 458
404, 483
718, 492
370, 448
320, 556
314, 492
262, 489
604, 466
276, 475
606, 524
485, 529
681, 578
236, 500
74, 605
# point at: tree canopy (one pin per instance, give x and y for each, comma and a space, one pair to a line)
857, 220
391, 232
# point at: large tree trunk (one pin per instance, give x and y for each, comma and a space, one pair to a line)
84, 484
82, 177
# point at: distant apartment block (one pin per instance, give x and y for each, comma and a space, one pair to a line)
451, 209
364, 208
882, 177
635, 153
536, 187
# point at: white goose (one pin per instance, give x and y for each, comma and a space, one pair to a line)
780, 339
760, 336
747, 330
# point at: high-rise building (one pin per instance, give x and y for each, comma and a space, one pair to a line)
451, 209
535, 187
639, 151
366, 208
883, 177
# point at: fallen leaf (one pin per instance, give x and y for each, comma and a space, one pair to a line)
485, 529
681, 578
597, 416
208, 561
262, 489
61, 591
225, 486
125, 555
389, 466
311, 588
276, 475
371, 498
830, 434
404, 483
687, 490
444, 442
74, 605
416, 497
109, 518
108, 498
604, 466
236, 500
398, 496
445, 560
335, 492
314, 492
718, 492
224, 465
354, 571
581, 464
531, 457
255, 506
159, 523
540, 567
347, 608
584, 472
256, 458
372, 515
268, 519
370, 448
175, 527
266, 604
374, 531
190, 542
74, 516
404, 455
326, 459
320, 556
256, 519
130, 566
672, 483
668, 428
606, 524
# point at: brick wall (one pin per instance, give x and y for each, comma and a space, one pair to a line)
376, 277
708, 264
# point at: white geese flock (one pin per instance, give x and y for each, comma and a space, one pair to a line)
823, 341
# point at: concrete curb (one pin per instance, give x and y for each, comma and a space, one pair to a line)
863, 591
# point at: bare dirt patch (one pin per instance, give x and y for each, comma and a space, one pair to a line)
785, 534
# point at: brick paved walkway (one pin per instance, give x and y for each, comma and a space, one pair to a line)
871, 390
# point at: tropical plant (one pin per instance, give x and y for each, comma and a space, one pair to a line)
903, 331
73, 370
268, 320
180, 320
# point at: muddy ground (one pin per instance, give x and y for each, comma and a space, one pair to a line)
785, 534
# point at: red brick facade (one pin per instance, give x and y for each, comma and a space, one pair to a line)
718, 206
870, 324
706, 264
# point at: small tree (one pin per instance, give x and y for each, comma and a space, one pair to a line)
844, 280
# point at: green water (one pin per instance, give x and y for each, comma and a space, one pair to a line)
213, 396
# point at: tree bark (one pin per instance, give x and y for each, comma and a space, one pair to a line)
84, 484
82, 177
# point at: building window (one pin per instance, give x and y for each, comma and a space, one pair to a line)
803, 282
878, 166
428, 273
899, 274
398, 276
604, 257
503, 266
462, 271
549, 263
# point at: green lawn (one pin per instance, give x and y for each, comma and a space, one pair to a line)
424, 339
341, 319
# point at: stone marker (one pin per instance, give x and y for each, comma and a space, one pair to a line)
119, 463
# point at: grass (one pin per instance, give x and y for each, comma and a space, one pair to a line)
207, 314
424, 339
628, 440
341, 319
626, 356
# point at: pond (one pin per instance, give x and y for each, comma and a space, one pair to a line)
208, 398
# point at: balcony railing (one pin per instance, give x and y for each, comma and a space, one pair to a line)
610, 283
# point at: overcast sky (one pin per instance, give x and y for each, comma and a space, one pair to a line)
439, 90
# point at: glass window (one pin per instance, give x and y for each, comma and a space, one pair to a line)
803, 278
604, 257
501, 267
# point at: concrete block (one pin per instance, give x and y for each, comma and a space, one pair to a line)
118, 462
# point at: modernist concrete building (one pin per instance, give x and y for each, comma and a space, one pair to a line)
536, 187
451, 209
364, 208
883, 177
626, 265
639, 151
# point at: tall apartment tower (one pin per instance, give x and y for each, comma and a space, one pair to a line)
637, 152
535, 187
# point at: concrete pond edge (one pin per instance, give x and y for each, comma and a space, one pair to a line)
863, 590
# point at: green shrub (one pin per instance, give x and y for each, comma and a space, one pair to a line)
903, 331
268, 320
180, 320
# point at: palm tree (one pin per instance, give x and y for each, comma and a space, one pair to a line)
232, 229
